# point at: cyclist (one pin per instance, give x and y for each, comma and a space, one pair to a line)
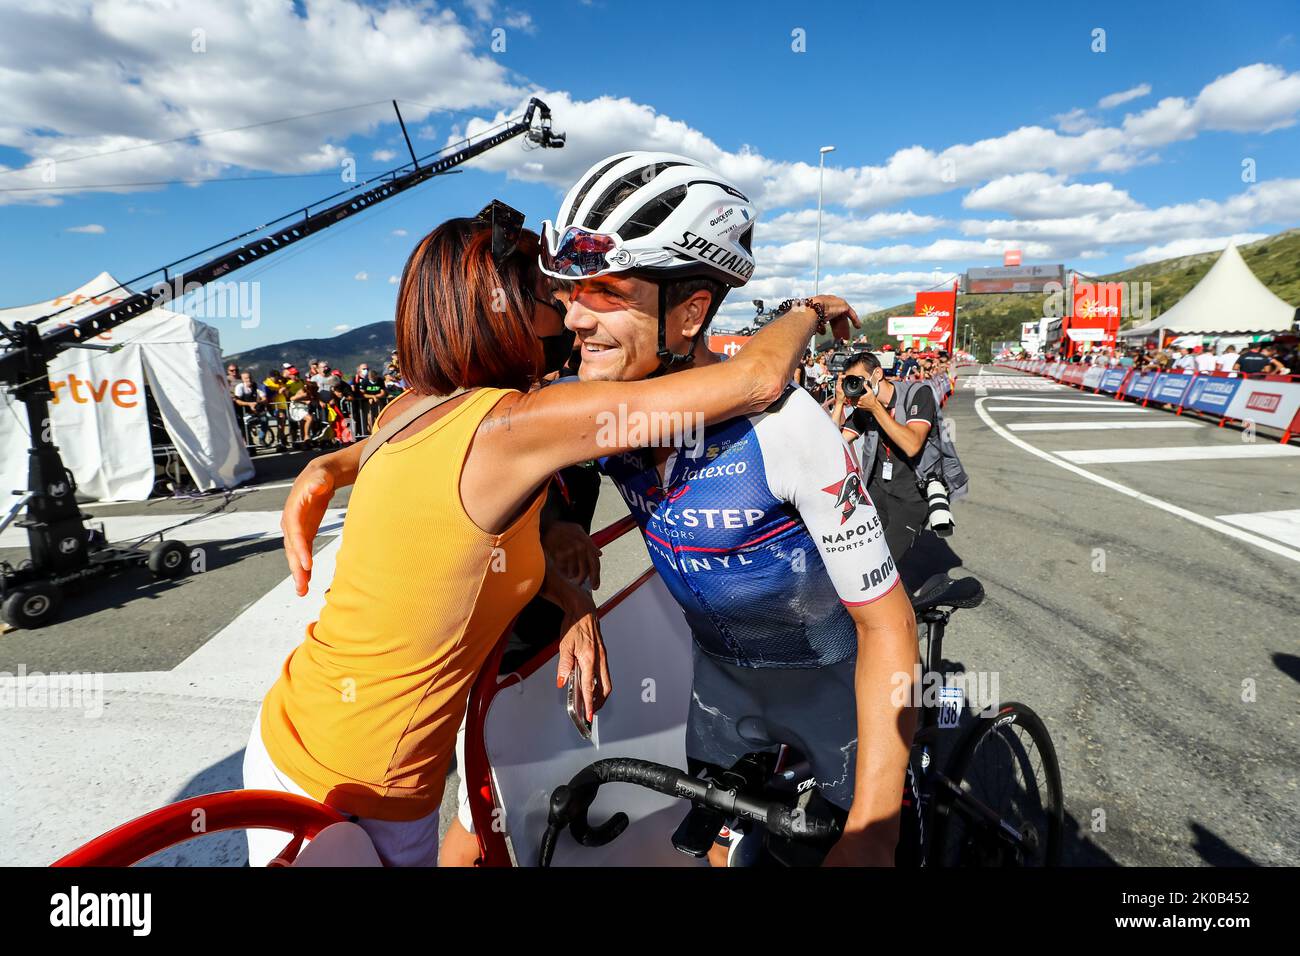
760, 528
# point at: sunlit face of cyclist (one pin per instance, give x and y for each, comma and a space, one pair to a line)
615, 320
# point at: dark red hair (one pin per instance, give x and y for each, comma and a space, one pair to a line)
462, 320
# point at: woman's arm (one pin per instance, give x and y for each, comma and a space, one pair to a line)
566, 423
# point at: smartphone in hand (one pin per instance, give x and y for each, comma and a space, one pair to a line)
577, 713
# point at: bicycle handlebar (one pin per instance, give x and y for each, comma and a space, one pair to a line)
570, 803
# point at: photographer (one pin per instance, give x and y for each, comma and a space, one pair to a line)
867, 421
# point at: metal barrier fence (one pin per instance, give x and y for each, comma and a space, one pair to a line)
271, 427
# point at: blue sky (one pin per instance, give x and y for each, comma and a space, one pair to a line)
961, 129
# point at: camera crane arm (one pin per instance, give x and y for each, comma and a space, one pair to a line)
56, 533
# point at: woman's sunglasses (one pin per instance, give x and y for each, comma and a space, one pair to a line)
507, 222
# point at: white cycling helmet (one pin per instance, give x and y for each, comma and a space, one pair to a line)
659, 216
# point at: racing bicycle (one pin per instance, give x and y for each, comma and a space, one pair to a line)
997, 802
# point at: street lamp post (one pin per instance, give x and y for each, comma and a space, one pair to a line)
817, 268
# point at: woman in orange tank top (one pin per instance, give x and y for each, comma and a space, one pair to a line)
440, 546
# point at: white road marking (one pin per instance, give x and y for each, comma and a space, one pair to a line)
1099, 426
212, 496
1283, 525
1111, 456
1058, 401
982, 381
1205, 522
228, 526
1074, 409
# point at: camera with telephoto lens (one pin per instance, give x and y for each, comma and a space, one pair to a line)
939, 513
853, 386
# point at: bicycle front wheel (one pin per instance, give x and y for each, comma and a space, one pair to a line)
1006, 763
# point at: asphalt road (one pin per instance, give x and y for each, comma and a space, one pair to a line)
1157, 640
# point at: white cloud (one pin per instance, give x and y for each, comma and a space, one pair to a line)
1040, 196
1255, 98
1124, 96
606, 124
392, 280
1187, 247
1076, 121
340, 328
383, 155
93, 228
399, 232
361, 276
1273, 202
521, 21
482, 9
795, 257
802, 224
132, 83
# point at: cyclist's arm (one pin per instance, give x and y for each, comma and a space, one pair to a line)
810, 472
882, 683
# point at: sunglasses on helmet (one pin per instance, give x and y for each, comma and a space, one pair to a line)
579, 253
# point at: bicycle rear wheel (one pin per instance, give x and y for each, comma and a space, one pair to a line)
1008, 763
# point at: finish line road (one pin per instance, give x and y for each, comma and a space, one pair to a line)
1141, 571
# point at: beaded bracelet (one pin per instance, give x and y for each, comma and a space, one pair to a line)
817, 307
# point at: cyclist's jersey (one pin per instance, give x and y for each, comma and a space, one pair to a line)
763, 531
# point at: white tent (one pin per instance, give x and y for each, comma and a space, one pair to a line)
98, 413
1228, 300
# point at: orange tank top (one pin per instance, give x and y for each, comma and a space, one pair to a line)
364, 714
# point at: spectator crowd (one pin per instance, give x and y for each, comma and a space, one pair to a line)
322, 408
1268, 358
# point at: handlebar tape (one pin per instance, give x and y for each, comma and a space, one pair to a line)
570, 803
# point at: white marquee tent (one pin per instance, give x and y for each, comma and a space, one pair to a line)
1229, 300
98, 414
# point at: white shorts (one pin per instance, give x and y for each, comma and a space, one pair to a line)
462, 790
408, 843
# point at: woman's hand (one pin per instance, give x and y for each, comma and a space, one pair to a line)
574, 553
301, 519
583, 645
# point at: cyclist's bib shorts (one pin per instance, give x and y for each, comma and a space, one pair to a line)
739, 710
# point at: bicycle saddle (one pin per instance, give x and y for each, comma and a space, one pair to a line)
942, 591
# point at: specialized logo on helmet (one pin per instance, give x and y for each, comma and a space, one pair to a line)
697, 247
848, 490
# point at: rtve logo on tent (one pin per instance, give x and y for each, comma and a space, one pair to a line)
121, 392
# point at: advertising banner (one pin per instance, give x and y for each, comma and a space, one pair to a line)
727, 344
1140, 385
1112, 379
940, 308
1265, 403
1210, 394
1170, 387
